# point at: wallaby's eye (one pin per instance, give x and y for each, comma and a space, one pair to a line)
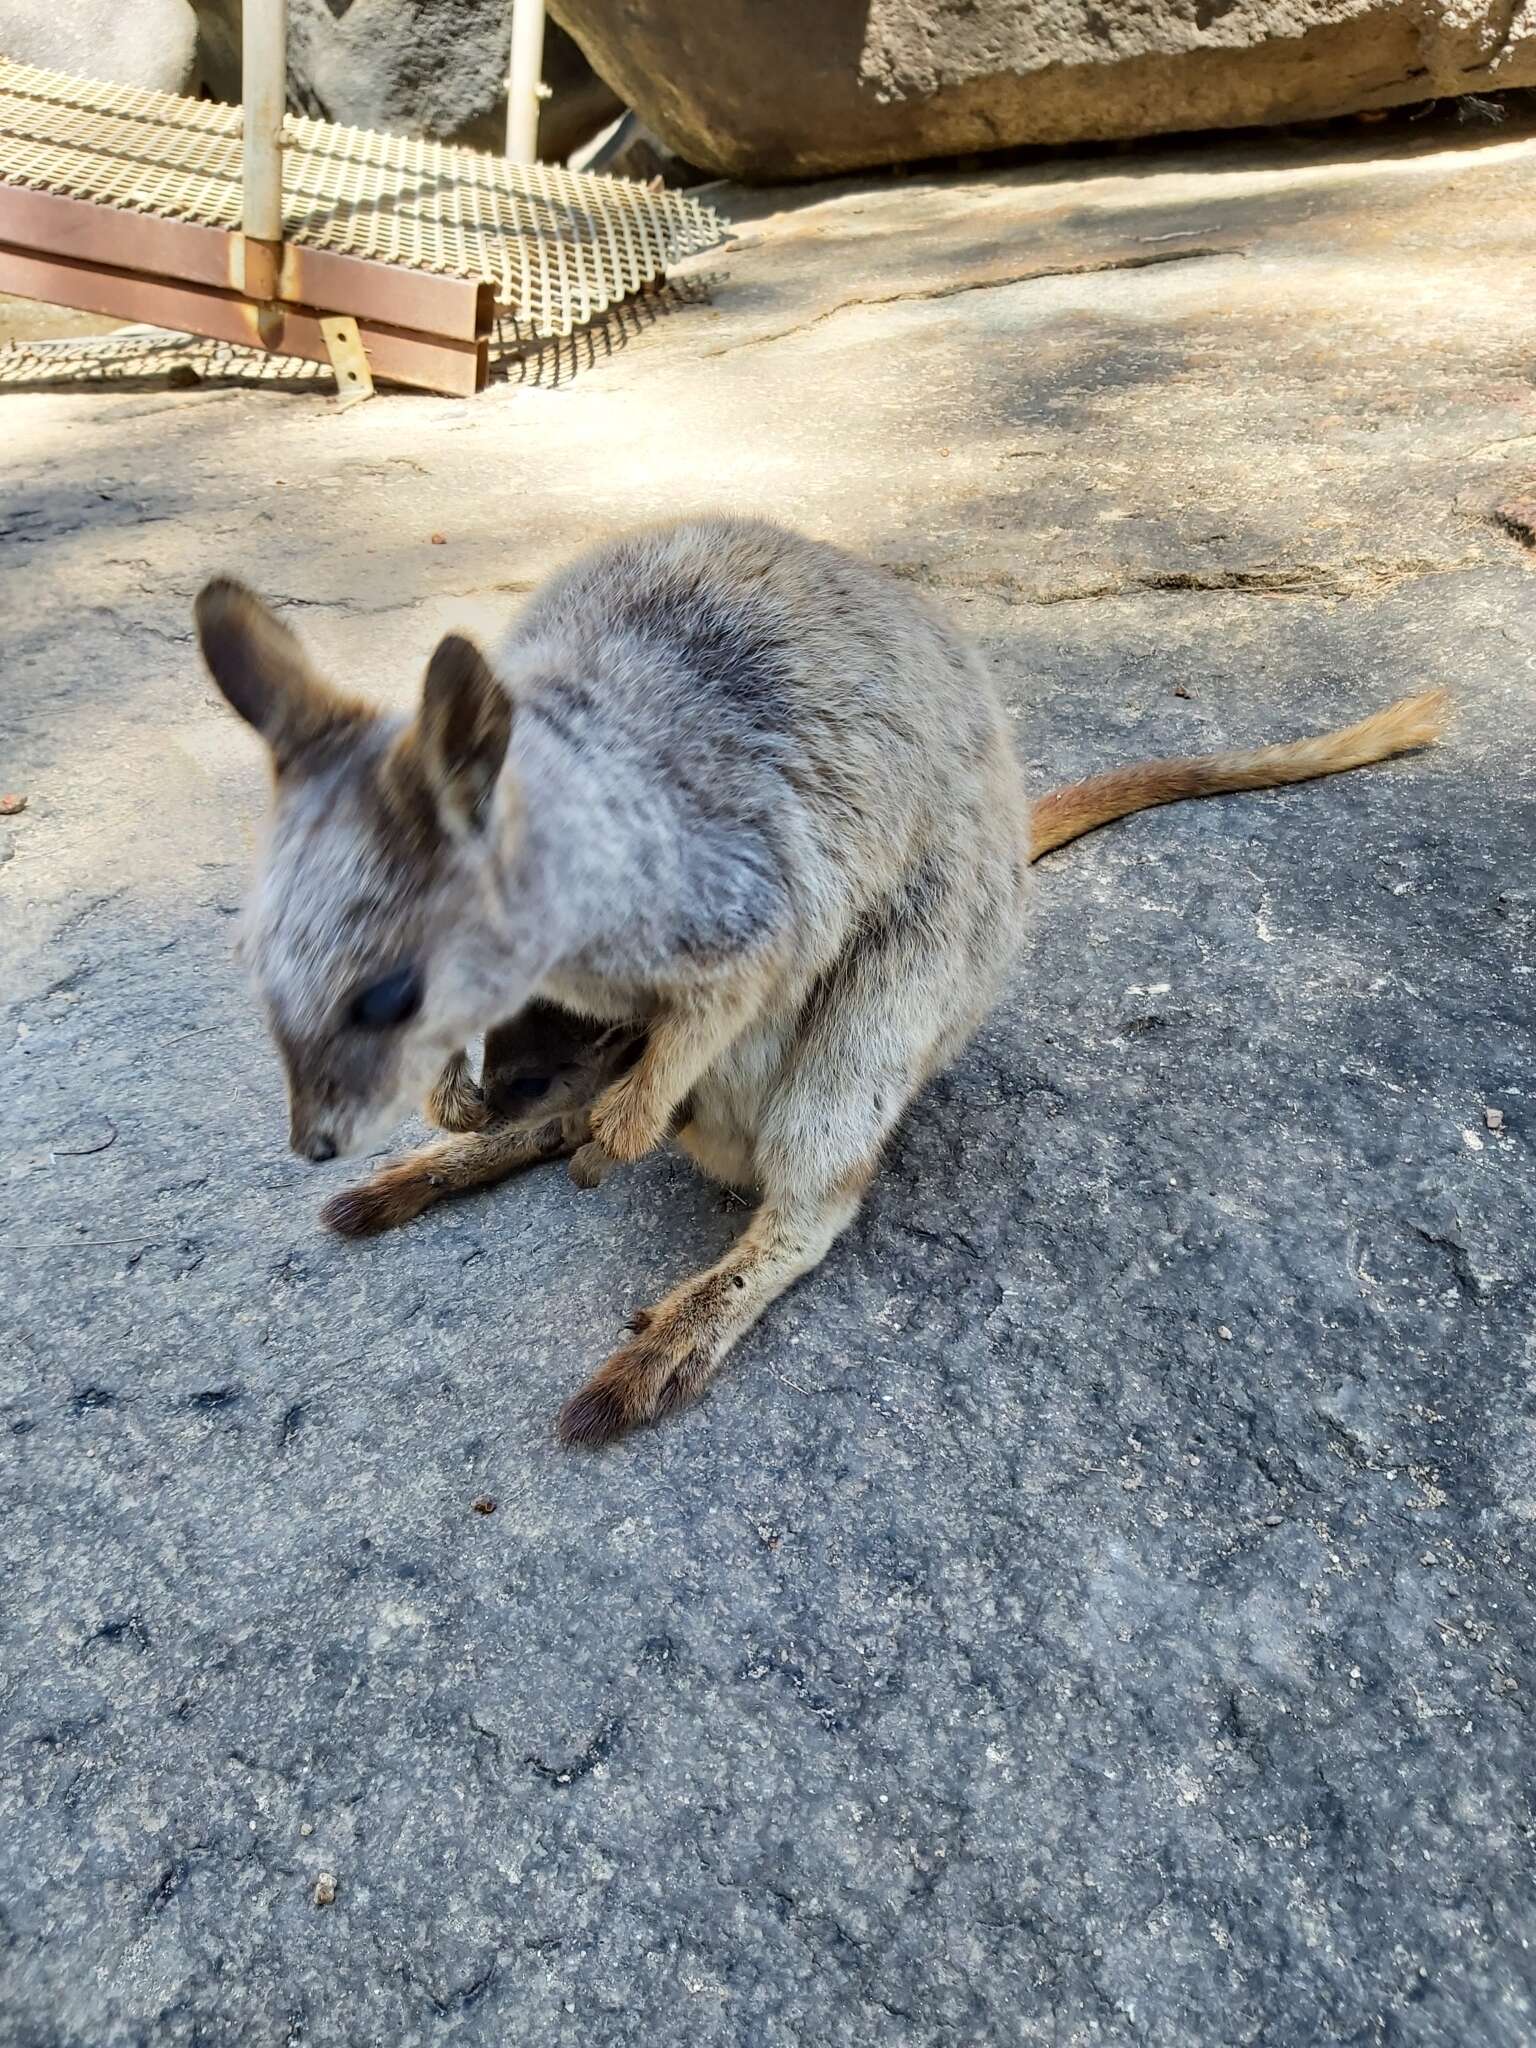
384, 1004
526, 1087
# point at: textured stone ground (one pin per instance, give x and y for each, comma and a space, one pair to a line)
1096, 1607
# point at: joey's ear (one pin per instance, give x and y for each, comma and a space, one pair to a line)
462, 732
264, 672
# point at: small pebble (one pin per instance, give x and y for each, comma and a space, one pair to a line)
306, 1827
483, 1504
1224, 1333
325, 1889
12, 806
439, 540
1494, 1119
1180, 691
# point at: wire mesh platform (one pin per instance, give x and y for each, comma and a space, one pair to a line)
134, 358
418, 237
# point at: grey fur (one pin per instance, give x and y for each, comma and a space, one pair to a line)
758, 796
768, 731
729, 785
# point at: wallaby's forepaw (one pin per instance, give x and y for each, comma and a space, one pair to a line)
625, 1122
664, 1369
391, 1198
590, 1167
456, 1103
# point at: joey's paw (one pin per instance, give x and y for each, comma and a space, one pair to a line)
656, 1374
590, 1166
624, 1122
391, 1198
456, 1103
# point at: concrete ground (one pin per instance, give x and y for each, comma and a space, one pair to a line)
1096, 1606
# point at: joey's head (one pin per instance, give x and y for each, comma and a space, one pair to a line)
546, 1062
378, 931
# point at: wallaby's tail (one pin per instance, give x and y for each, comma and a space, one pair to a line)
1066, 814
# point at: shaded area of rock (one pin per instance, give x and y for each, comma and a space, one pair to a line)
818, 86
626, 148
414, 67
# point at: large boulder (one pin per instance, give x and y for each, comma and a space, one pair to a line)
414, 67
815, 86
149, 43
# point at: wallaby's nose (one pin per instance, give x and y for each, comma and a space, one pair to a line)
321, 1148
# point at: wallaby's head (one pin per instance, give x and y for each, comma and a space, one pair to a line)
378, 933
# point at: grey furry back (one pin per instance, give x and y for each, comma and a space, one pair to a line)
771, 692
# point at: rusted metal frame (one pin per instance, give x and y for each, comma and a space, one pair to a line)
263, 95
429, 362
85, 231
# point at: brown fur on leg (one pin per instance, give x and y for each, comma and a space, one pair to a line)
456, 1103
675, 1353
679, 1345
404, 1189
395, 1195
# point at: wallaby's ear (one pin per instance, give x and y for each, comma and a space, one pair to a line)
264, 672
462, 731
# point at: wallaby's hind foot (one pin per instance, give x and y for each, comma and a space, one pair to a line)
402, 1190
680, 1345
456, 1103
395, 1195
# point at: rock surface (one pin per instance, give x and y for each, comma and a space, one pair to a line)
817, 86
1096, 1608
150, 43
414, 67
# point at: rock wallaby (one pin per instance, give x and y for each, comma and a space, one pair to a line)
734, 788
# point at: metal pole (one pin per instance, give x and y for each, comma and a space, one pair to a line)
263, 91
525, 87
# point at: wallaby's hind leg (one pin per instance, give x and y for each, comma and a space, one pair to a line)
456, 1103
818, 1145
406, 1186
680, 1344
845, 1083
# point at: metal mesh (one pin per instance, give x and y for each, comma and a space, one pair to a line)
557, 247
150, 356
